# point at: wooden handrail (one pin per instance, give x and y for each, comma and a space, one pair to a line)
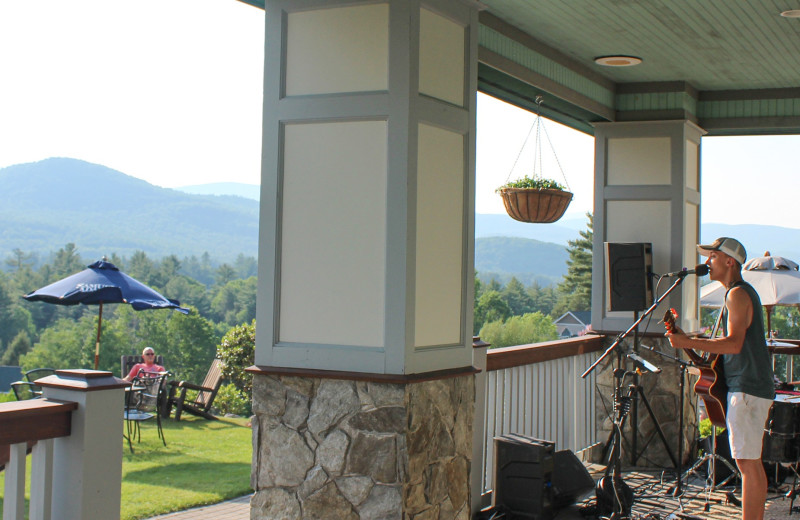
35, 419
507, 357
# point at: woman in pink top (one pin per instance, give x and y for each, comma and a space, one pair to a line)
149, 364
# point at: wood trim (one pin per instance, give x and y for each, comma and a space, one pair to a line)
507, 357
491, 21
749, 95
363, 376
35, 419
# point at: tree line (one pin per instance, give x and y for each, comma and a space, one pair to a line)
37, 334
221, 297
515, 315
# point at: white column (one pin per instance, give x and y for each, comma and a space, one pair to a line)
647, 189
87, 465
366, 227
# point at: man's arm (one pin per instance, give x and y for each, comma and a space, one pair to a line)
740, 315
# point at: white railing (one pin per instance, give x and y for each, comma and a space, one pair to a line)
536, 391
80, 414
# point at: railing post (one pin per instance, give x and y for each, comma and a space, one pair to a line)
87, 465
14, 503
479, 349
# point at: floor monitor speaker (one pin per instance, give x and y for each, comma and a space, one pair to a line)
522, 487
629, 286
571, 479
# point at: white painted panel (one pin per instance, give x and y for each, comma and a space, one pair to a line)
343, 49
692, 177
440, 236
333, 260
441, 58
640, 221
637, 161
690, 302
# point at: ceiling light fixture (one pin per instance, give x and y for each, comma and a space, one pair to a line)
792, 13
617, 61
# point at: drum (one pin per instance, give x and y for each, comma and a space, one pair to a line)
782, 432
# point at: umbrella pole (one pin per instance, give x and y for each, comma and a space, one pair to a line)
97, 342
769, 321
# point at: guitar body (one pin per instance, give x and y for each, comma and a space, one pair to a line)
711, 384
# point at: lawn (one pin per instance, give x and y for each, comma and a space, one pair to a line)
204, 462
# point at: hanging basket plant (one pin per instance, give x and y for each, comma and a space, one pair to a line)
539, 201
536, 199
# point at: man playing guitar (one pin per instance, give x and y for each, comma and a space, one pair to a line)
747, 368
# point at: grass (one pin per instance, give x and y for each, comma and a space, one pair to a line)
204, 462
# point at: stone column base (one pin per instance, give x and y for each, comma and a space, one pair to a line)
359, 449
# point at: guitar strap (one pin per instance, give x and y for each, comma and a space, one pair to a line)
719, 317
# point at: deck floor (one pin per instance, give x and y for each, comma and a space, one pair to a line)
654, 499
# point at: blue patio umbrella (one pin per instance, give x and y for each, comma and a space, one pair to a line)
102, 282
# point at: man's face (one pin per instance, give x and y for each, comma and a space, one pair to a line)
718, 265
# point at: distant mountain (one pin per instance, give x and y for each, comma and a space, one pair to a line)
239, 189
757, 239
496, 225
527, 259
46, 204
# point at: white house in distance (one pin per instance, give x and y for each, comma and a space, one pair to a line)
573, 323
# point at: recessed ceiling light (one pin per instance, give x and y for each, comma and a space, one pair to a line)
793, 13
617, 61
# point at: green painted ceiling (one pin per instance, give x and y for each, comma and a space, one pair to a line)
731, 66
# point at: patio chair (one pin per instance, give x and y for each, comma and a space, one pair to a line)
206, 393
37, 373
24, 390
127, 362
143, 401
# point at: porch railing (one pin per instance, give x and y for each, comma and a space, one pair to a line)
80, 414
535, 390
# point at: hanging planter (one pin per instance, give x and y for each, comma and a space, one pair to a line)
536, 200
540, 201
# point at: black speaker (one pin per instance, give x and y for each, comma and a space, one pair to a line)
571, 479
629, 286
522, 487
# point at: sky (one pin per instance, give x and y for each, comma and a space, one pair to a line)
169, 91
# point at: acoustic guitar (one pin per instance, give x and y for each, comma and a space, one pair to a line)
710, 386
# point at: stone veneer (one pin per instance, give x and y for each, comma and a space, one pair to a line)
662, 391
350, 450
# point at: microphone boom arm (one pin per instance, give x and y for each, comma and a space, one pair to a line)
625, 334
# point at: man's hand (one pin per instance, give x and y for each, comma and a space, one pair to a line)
677, 338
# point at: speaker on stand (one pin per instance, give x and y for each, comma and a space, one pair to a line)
629, 285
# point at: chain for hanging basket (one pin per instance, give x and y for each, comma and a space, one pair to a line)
536, 199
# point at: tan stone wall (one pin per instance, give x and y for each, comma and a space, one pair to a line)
662, 391
325, 448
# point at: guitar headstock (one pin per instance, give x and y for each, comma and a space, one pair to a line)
669, 320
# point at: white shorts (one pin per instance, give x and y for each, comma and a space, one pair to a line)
746, 418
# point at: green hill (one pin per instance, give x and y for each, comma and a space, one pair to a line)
46, 204
527, 259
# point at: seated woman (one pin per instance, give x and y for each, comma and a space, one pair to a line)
149, 365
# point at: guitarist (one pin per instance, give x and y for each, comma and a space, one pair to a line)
746, 365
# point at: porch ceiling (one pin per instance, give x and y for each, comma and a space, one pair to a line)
732, 66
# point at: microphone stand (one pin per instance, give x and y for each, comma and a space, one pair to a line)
618, 506
678, 491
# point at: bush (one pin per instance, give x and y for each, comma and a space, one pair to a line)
230, 400
519, 330
237, 352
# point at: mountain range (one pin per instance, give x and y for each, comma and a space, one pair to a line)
46, 204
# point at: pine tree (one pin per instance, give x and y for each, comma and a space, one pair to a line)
575, 292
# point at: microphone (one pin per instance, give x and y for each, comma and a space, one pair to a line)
699, 270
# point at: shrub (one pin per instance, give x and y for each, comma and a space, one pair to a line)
230, 400
237, 352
